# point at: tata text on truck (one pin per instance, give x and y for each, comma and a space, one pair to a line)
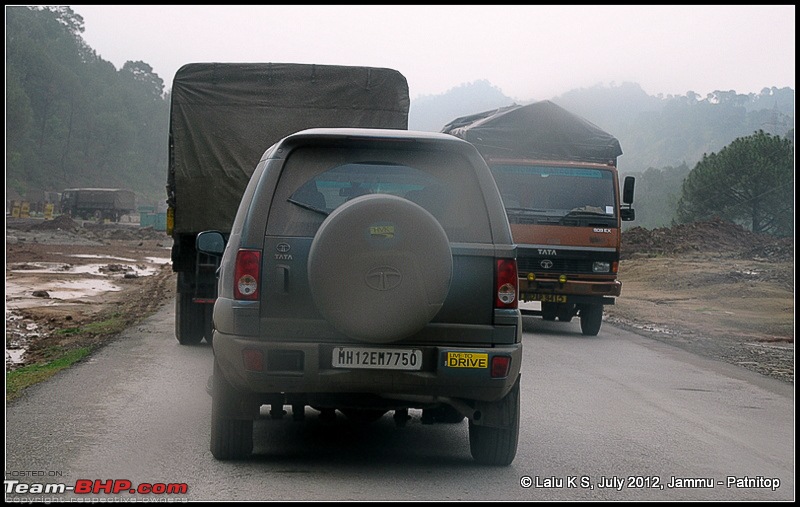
223, 117
557, 173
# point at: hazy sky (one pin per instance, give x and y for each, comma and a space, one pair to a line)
529, 52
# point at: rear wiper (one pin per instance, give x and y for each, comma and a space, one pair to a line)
309, 207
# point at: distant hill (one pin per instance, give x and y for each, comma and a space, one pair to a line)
432, 112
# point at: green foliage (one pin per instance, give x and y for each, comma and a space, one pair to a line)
750, 182
111, 324
657, 194
72, 119
59, 359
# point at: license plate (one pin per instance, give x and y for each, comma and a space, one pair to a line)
545, 298
466, 360
377, 359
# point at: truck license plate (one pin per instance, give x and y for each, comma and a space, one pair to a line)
545, 298
376, 358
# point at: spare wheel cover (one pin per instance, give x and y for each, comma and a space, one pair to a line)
379, 268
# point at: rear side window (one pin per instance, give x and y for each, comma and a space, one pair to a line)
317, 180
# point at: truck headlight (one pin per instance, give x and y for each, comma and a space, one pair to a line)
601, 267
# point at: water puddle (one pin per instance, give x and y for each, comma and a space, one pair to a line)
50, 284
96, 256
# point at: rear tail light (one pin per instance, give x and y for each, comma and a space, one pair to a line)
506, 276
253, 360
501, 365
247, 275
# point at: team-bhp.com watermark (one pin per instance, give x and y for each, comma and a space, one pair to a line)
90, 490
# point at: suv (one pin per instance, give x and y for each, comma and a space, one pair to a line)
368, 271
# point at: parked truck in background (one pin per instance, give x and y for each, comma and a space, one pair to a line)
223, 117
98, 203
557, 174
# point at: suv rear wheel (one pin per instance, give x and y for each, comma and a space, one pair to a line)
498, 446
230, 438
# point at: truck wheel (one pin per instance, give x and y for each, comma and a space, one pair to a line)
230, 438
189, 320
591, 319
497, 446
549, 311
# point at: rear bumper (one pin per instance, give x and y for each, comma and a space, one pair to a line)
304, 368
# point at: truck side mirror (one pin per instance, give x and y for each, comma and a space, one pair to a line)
628, 214
210, 242
627, 190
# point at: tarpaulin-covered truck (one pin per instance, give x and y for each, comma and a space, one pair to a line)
557, 174
98, 203
223, 118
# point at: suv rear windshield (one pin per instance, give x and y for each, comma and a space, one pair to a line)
317, 180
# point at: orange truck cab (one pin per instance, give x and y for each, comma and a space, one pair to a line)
557, 174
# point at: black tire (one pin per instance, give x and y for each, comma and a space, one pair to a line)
230, 438
379, 268
549, 311
498, 446
189, 320
591, 319
363, 416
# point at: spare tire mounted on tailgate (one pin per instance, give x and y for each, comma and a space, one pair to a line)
379, 268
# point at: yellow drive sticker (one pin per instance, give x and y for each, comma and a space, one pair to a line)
466, 360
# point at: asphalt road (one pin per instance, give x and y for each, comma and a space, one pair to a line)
617, 410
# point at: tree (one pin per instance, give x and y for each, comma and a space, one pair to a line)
71, 118
658, 190
750, 182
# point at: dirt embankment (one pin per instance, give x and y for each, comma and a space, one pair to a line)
711, 237
713, 288
72, 284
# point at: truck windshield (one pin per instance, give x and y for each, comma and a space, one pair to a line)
556, 190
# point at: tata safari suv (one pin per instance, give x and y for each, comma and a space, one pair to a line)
368, 271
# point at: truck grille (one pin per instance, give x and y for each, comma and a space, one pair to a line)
526, 265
